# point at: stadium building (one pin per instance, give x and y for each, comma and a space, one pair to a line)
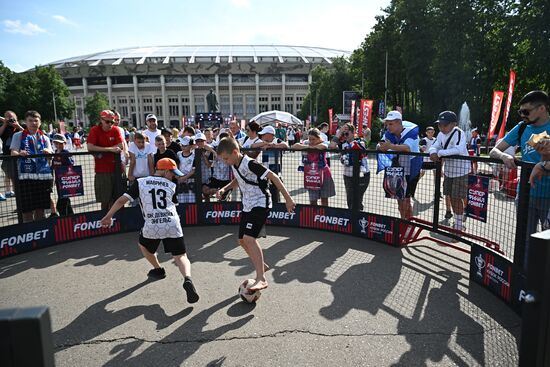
173, 81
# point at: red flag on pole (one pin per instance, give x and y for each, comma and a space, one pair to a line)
511, 85
365, 114
495, 112
352, 115
330, 120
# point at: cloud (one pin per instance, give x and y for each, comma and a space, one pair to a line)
241, 3
28, 29
61, 19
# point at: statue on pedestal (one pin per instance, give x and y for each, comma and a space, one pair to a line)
212, 102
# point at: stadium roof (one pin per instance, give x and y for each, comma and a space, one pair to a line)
206, 54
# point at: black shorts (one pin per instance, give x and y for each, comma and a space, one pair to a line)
8, 166
35, 194
253, 223
411, 185
217, 184
175, 246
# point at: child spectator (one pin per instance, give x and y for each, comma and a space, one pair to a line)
316, 167
162, 151
186, 183
141, 158
63, 205
221, 175
170, 144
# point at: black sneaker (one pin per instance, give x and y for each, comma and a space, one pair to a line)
157, 273
192, 295
448, 215
226, 194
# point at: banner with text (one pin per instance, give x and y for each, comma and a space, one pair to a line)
478, 197
495, 112
511, 85
365, 114
68, 181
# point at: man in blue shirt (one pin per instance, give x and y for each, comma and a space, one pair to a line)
534, 112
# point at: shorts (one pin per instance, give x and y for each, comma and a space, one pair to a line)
35, 194
411, 185
327, 190
8, 166
428, 165
253, 223
175, 246
456, 187
104, 186
214, 183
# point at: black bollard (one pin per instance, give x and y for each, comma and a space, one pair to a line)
26, 337
535, 331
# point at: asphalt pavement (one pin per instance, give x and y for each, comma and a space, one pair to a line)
333, 300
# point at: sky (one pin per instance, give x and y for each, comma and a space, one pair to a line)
39, 32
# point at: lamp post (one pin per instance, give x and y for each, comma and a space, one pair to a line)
54, 109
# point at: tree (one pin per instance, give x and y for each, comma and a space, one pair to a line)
34, 90
94, 105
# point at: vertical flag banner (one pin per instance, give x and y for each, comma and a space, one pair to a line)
365, 113
495, 112
511, 85
352, 115
330, 120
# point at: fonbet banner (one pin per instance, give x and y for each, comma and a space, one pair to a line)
496, 273
478, 197
68, 181
376, 227
495, 111
511, 84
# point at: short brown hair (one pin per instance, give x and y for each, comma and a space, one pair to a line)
350, 126
139, 136
160, 138
314, 132
32, 113
227, 145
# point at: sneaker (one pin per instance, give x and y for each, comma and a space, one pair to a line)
226, 194
192, 295
10, 194
448, 215
2, 197
157, 273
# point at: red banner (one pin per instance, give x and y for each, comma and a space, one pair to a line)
365, 114
511, 85
330, 120
352, 114
495, 113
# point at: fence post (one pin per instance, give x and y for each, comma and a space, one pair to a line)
12, 166
356, 156
437, 197
119, 178
523, 208
198, 175
535, 330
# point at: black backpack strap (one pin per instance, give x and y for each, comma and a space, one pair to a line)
522, 126
450, 137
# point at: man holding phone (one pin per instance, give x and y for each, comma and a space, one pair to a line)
8, 126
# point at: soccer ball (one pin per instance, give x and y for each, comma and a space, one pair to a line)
246, 295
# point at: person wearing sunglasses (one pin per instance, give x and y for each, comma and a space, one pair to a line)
534, 112
105, 139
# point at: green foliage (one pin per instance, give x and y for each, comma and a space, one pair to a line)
94, 105
34, 90
442, 53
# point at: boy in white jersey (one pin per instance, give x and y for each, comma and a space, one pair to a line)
252, 178
156, 196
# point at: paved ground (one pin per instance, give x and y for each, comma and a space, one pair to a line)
333, 300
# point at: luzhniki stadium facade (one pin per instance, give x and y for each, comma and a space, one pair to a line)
173, 81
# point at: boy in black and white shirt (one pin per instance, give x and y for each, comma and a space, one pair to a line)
253, 180
156, 195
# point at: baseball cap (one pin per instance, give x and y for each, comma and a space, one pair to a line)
107, 115
151, 117
200, 136
394, 115
58, 138
446, 117
267, 130
185, 140
170, 165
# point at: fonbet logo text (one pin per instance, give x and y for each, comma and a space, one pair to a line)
331, 220
23, 238
85, 226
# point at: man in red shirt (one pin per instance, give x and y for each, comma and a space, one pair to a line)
107, 141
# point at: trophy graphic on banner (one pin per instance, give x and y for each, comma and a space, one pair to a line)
480, 263
363, 223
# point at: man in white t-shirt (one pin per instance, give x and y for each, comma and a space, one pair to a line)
151, 132
452, 141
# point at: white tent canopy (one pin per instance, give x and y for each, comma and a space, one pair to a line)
272, 117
